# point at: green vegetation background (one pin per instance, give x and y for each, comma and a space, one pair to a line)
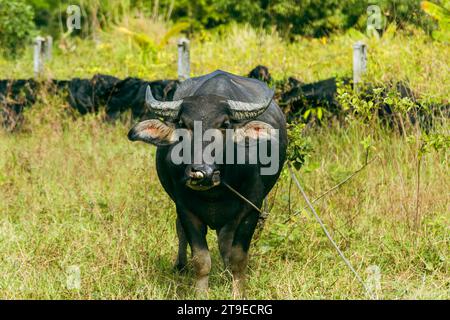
75, 192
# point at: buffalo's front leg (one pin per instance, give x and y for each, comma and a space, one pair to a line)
225, 238
195, 232
181, 261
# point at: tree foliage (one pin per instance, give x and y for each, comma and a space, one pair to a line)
16, 26
442, 15
314, 18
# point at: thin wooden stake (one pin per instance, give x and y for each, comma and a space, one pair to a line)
359, 62
184, 67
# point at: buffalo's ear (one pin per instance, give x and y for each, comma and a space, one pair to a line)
153, 131
253, 131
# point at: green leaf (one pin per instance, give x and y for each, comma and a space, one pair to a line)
319, 113
441, 36
176, 29
306, 114
437, 12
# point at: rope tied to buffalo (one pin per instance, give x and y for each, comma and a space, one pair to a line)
262, 214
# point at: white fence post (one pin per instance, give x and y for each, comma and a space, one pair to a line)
42, 52
38, 64
184, 66
359, 61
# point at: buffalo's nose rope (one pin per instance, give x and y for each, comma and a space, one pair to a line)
242, 197
262, 214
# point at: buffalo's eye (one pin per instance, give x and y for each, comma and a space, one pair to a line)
226, 124
181, 124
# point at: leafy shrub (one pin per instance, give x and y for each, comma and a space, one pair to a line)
392, 105
313, 18
442, 15
404, 12
16, 26
299, 147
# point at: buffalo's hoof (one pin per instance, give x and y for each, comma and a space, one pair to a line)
180, 267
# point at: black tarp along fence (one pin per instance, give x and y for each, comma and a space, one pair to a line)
106, 92
300, 97
117, 96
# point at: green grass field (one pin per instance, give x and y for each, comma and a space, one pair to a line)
75, 192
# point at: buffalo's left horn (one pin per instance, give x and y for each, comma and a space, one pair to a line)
165, 109
246, 110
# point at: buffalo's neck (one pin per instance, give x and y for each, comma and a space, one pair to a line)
215, 207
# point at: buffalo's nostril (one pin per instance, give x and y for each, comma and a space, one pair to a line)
197, 175
216, 177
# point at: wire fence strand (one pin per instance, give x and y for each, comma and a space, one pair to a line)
316, 216
325, 230
333, 188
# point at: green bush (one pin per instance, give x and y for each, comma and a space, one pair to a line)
16, 26
312, 18
442, 15
299, 148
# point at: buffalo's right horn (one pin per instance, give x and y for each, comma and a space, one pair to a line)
246, 110
165, 109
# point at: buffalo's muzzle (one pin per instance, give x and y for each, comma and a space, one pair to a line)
202, 177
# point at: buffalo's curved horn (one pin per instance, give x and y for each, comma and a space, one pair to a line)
246, 110
165, 109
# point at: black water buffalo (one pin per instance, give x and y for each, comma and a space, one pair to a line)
130, 94
261, 73
219, 101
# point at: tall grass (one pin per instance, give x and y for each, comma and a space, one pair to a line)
74, 191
